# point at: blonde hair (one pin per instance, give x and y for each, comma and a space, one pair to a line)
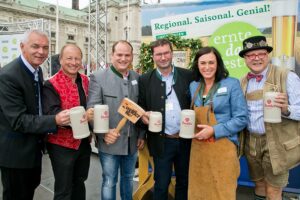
69, 45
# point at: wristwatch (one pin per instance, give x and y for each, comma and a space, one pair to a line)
287, 113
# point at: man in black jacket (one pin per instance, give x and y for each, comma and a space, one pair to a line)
166, 89
22, 127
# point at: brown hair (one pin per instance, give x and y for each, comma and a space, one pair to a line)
121, 41
160, 42
221, 72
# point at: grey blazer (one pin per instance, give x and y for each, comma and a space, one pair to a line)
106, 87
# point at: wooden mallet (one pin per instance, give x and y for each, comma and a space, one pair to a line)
130, 111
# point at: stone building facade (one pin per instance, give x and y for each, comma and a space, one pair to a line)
74, 24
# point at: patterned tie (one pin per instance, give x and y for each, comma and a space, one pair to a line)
258, 77
36, 75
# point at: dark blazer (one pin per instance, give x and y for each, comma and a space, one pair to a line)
21, 128
152, 97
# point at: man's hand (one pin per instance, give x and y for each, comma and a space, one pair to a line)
90, 114
111, 137
145, 118
63, 118
84, 118
281, 101
140, 144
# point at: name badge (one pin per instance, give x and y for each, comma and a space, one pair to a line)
222, 90
133, 82
169, 106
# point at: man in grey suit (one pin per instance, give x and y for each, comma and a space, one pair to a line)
22, 128
116, 149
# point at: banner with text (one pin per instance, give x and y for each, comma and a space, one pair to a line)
225, 25
204, 23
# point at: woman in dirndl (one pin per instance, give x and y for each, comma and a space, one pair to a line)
221, 112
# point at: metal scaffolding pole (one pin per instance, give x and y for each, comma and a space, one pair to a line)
97, 58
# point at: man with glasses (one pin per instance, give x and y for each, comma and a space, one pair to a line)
166, 90
271, 149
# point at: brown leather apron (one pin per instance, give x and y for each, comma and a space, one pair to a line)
214, 165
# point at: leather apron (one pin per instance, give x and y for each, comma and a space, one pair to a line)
214, 165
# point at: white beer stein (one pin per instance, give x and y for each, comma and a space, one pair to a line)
80, 129
155, 122
101, 119
272, 114
187, 124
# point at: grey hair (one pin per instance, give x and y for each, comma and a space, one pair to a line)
28, 32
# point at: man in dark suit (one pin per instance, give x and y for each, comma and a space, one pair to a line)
22, 128
166, 89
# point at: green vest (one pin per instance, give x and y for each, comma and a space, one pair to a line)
283, 139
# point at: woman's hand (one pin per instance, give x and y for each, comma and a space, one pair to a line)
205, 132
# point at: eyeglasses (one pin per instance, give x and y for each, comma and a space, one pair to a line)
159, 55
253, 56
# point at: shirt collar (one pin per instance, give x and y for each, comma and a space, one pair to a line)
29, 66
78, 78
160, 74
119, 74
125, 76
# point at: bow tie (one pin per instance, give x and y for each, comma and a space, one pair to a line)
258, 77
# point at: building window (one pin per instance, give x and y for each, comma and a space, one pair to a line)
71, 37
3, 28
53, 34
52, 48
52, 9
116, 18
86, 39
